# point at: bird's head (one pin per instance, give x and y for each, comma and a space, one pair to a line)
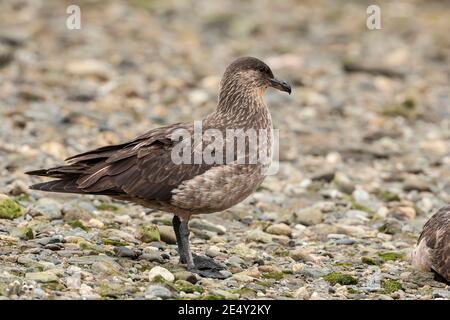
249, 74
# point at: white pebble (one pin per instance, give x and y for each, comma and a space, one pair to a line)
160, 271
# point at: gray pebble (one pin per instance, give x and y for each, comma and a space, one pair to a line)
157, 291
125, 252
153, 257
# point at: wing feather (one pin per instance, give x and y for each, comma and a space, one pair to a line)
436, 233
141, 168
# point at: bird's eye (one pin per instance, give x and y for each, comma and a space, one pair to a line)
264, 70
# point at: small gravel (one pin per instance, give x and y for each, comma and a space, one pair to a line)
364, 157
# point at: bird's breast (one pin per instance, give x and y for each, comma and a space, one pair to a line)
218, 189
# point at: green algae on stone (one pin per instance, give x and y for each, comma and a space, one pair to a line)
389, 229
110, 290
390, 256
266, 284
341, 278
406, 109
9, 209
211, 297
388, 196
77, 224
107, 207
162, 221
273, 275
3, 289
112, 225
160, 280
281, 252
85, 245
344, 264
186, 276
353, 291
371, 261
149, 233
358, 206
116, 243
186, 286
151, 5
24, 233
390, 286
54, 286
22, 198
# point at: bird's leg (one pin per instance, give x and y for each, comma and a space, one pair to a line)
183, 245
204, 266
176, 223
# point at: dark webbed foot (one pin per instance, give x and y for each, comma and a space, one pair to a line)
203, 266
207, 267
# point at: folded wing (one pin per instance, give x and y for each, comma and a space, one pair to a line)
141, 168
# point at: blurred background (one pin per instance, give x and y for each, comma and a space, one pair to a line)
148, 62
369, 130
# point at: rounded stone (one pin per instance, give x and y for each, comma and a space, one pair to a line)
162, 272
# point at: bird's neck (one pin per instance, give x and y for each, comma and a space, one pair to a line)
243, 109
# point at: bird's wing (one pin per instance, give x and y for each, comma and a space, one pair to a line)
441, 256
431, 227
142, 168
158, 134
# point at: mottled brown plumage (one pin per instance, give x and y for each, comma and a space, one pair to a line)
432, 252
142, 171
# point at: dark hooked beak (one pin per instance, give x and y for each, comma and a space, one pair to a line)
280, 85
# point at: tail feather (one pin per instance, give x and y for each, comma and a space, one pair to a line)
66, 186
83, 174
69, 186
61, 172
41, 173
